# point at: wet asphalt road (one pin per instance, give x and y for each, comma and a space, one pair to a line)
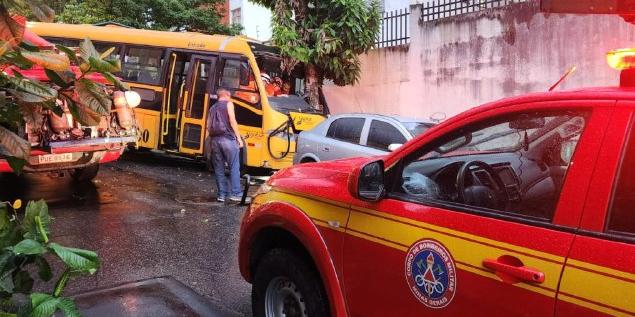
147, 215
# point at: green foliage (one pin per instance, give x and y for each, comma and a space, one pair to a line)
22, 98
174, 15
26, 247
328, 34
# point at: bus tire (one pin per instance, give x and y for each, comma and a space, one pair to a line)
85, 174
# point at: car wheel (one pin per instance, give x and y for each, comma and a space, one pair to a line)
307, 160
285, 285
85, 174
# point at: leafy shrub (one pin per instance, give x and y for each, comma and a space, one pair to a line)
24, 248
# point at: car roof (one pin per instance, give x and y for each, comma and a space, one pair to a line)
382, 116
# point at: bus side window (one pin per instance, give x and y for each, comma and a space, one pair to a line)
142, 65
238, 77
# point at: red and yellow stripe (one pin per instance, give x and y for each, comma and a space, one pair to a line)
595, 287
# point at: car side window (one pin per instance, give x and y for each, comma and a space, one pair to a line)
621, 219
346, 129
382, 134
512, 165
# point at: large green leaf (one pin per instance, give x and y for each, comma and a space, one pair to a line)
99, 65
41, 11
10, 30
7, 267
92, 101
67, 306
31, 91
28, 247
10, 113
13, 145
44, 305
115, 81
87, 50
77, 260
69, 52
33, 230
48, 60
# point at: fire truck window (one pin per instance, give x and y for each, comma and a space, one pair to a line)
346, 129
382, 134
622, 216
514, 165
142, 65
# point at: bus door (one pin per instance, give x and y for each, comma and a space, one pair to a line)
236, 75
196, 100
178, 65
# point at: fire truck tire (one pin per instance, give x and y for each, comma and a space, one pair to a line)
85, 174
285, 281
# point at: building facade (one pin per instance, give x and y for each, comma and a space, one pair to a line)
255, 19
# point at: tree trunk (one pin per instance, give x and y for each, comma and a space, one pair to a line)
312, 85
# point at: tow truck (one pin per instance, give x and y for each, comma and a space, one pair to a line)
60, 144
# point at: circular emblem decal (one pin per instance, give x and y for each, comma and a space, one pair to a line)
430, 273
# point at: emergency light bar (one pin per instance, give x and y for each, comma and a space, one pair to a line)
621, 59
624, 61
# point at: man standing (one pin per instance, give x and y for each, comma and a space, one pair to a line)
225, 146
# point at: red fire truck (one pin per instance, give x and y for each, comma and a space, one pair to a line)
521, 207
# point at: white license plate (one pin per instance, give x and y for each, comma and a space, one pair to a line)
55, 158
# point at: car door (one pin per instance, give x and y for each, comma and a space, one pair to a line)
342, 139
599, 276
382, 134
496, 249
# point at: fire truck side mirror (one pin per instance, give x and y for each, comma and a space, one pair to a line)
368, 182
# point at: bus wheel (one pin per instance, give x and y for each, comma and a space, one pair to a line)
85, 174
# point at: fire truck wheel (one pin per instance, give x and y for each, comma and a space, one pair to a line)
285, 285
85, 174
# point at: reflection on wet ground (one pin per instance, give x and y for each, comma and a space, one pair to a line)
147, 215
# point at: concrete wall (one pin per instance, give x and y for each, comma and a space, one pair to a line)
456, 63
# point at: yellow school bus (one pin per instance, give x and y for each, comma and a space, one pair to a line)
177, 75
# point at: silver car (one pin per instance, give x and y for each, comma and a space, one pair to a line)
350, 135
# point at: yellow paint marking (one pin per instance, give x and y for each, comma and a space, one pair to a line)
380, 241
533, 252
326, 225
469, 252
601, 269
324, 212
593, 306
320, 199
599, 288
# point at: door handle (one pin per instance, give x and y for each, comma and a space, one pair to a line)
325, 149
511, 270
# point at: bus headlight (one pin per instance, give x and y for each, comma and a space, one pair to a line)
132, 98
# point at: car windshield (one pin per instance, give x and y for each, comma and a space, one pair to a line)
416, 128
289, 103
